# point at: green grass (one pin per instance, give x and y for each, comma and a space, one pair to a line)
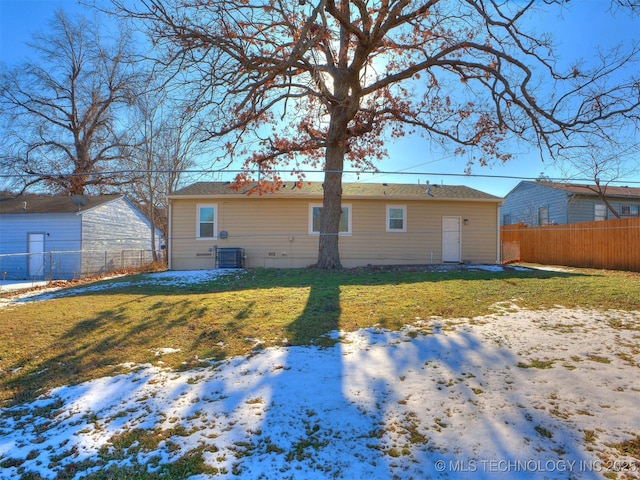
536, 363
76, 338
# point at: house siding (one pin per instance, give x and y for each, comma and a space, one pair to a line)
523, 203
618, 203
275, 232
62, 234
111, 232
582, 209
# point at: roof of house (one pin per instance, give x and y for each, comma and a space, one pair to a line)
349, 190
22, 204
592, 190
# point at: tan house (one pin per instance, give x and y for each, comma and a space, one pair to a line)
214, 225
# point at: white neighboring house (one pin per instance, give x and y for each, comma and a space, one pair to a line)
55, 237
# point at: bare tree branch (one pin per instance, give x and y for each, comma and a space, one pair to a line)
328, 80
61, 110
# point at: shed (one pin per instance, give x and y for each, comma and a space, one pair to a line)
64, 237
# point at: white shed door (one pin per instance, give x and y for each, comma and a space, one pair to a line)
451, 239
36, 254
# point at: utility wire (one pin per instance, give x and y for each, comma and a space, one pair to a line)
289, 171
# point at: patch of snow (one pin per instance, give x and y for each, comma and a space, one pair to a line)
489, 268
166, 278
8, 286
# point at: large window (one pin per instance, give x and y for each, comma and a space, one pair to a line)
396, 218
207, 220
314, 220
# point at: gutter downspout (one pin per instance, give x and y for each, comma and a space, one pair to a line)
498, 256
169, 234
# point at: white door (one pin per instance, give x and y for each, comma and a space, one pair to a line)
36, 255
451, 239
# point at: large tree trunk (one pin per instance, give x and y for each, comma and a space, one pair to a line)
328, 252
343, 110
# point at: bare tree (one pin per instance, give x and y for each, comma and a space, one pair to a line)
166, 147
62, 110
324, 82
603, 163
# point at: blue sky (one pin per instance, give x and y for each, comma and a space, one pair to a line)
577, 33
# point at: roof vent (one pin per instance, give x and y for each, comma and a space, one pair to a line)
79, 201
428, 192
24, 206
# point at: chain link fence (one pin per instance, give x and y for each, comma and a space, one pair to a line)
69, 265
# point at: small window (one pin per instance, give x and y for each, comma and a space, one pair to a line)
314, 220
396, 218
207, 219
543, 216
506, 219
629, 210
599, 212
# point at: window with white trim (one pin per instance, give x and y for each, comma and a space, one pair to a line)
207, 221
599, 212
396, 218
314, 219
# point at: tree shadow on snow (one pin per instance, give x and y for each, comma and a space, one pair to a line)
420, 403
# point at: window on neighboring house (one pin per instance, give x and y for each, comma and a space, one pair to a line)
506, 219
207, 219
599, 212
314, 219
543, 216
396, 218
629, 210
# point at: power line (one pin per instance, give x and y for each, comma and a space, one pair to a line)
294, 172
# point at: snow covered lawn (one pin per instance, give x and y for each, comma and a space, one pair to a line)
514, 394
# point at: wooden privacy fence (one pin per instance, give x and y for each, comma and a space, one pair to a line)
610, 244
